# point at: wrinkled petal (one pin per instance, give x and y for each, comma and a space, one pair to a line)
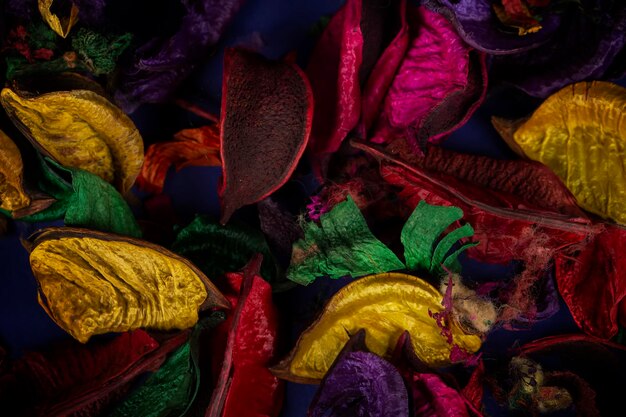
342, 245
361, 384
118, 283
243, 346
593, 285
385, 305
160, 67
80, 129
12, 194
579, 133
478, 25
438, 85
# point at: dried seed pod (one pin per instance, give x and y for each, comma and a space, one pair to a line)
80, 129
385, 305
12, 195
93, 283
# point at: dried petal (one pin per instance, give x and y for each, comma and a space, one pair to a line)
171, 390
354, 53
439, 84
80, 129
12, 195
61, 26
363, 384
93, 283
81, 379
505, 233
267, 109
341, 246
191, 147
161, 65
385, 305
243, 346
592, 284
579, 133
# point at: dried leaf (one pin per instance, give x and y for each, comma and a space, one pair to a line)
341, 246
230, 247
171, 390
243, 346
267, 108
385, 305
81, 379
424, 248
12, 194
579, 132
80, 129
61, 26
88, 202
93, 283
192, 147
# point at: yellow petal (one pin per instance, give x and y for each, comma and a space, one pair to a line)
80, 129
93, 283
385, 305
12, 195
61, 26
580, 133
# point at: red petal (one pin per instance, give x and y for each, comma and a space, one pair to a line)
267, 109
244, 344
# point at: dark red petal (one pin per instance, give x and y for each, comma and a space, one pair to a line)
593, 284
267, 110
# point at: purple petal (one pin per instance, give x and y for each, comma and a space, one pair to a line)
161, 66
478, 25
361, 384
582, 49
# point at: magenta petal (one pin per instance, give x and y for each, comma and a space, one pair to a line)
433, 398
427, 94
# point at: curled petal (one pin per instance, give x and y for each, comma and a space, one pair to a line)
385, 305
438, 85
363, 384
93, 283
12, 194
80, 129
579, 133
61, 26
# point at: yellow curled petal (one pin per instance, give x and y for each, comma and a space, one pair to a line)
385, 305
61, 26
12, 195
80, 129
580, 133
93, 283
